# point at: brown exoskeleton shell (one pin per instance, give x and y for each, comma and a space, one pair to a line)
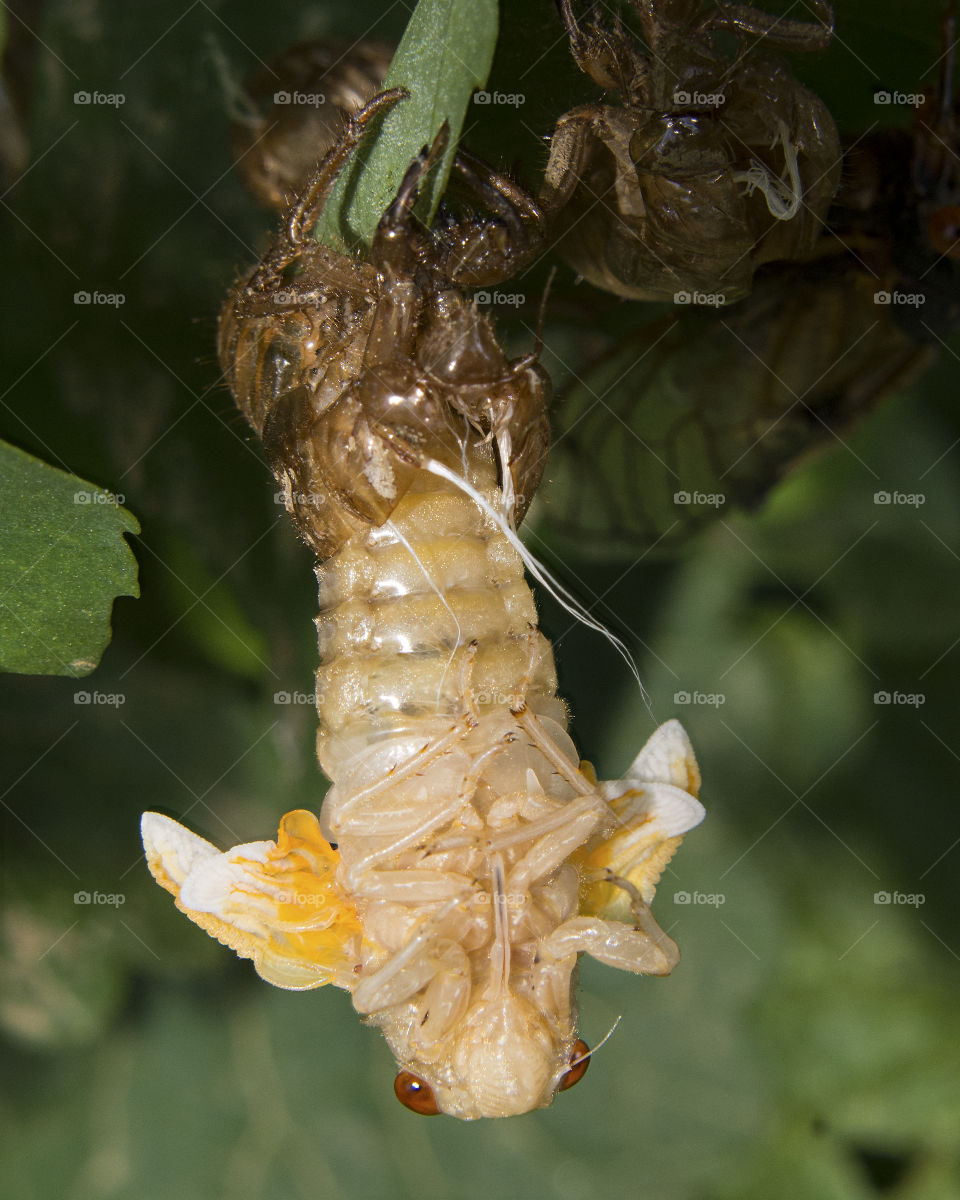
353, 372
707, 169
727, 407
296, 107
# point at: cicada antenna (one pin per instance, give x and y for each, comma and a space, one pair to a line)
606, 1037
530, 360
542, 315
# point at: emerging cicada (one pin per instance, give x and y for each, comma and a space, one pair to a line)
464, 857
709, 166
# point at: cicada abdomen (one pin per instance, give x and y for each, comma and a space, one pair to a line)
475, 859
711, 164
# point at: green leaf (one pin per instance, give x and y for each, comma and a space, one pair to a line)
445, 54
62, 561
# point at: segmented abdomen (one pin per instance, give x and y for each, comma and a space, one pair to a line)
426, 616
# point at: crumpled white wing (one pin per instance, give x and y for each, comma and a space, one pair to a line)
276, 903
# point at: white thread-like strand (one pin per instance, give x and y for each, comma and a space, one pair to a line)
565, 599
783, 200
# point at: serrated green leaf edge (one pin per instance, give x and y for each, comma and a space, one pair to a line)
444, 55
63, 560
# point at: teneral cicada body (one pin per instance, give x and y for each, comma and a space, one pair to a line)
474, 860
709, 167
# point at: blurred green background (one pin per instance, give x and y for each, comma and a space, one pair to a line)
809, 1043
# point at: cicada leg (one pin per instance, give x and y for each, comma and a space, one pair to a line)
641, 949
481, 253
779, 31
565, 165
568, 770
608, 56
305, 212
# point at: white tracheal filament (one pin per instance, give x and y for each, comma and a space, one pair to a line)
474, 859
783, 198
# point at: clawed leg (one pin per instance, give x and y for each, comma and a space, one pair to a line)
608, 56
614, 944
643, 948
568, 150
480, 252
397, 245
779, 31
304, 213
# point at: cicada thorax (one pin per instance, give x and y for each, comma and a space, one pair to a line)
707, 169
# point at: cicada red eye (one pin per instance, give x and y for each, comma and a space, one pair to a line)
580, 1058
943, 229
416, 1095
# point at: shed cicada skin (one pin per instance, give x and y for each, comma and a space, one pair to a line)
352, 371
463, 858
294, 109
709, 166
727, 404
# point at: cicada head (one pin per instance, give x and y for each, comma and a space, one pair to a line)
503, 1058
